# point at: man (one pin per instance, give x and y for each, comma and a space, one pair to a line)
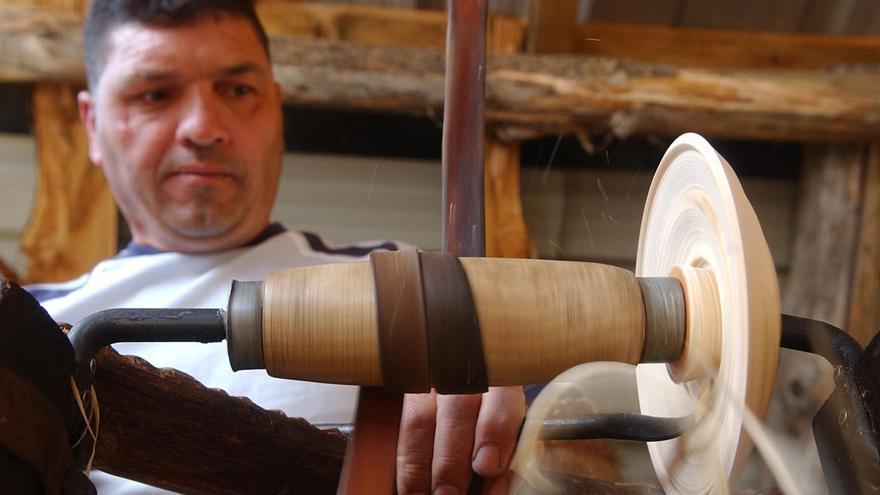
184, 117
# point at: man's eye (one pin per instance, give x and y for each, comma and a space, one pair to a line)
242, 90
157, 96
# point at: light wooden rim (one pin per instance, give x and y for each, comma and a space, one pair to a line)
697, 215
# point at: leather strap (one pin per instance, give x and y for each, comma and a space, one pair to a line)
400, 313
455, 347
429, 333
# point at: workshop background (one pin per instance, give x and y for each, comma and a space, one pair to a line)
786, 90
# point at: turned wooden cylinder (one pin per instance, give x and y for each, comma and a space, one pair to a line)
409, 322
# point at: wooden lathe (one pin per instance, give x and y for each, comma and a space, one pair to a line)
703, 304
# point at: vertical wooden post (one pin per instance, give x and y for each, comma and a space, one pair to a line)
552, 26
74, 222
835, 264
826, 233
507, 235
864, 308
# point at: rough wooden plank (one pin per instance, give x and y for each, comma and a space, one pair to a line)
551, 26
864, 310
530, 96
826, 233
717, 48
173, 432
73, 224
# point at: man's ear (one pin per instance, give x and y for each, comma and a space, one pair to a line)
86, 104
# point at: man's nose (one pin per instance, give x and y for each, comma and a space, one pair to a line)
203, 123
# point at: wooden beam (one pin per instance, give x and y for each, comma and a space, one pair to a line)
864, 309
531, 95
551, 26
713, 48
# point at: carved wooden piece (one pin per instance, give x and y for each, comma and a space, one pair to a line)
537, 318
171, 431
529, 95
698, 218
319, 324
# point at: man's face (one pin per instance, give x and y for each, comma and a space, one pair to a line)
186, 123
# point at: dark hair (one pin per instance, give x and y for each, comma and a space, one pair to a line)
106, 15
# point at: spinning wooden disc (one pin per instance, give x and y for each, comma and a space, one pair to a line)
699, 227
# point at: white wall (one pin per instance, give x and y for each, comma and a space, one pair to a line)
354, 198
574, 214
17, 188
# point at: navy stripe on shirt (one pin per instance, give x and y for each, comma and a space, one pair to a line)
44, 294
317, 244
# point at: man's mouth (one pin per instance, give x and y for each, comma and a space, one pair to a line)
201, 172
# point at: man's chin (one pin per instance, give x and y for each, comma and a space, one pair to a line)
203, 230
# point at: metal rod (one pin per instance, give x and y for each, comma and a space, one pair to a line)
111, 326
615, 426
464, 232
847, 438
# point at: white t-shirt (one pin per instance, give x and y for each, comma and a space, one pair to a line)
144, 278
